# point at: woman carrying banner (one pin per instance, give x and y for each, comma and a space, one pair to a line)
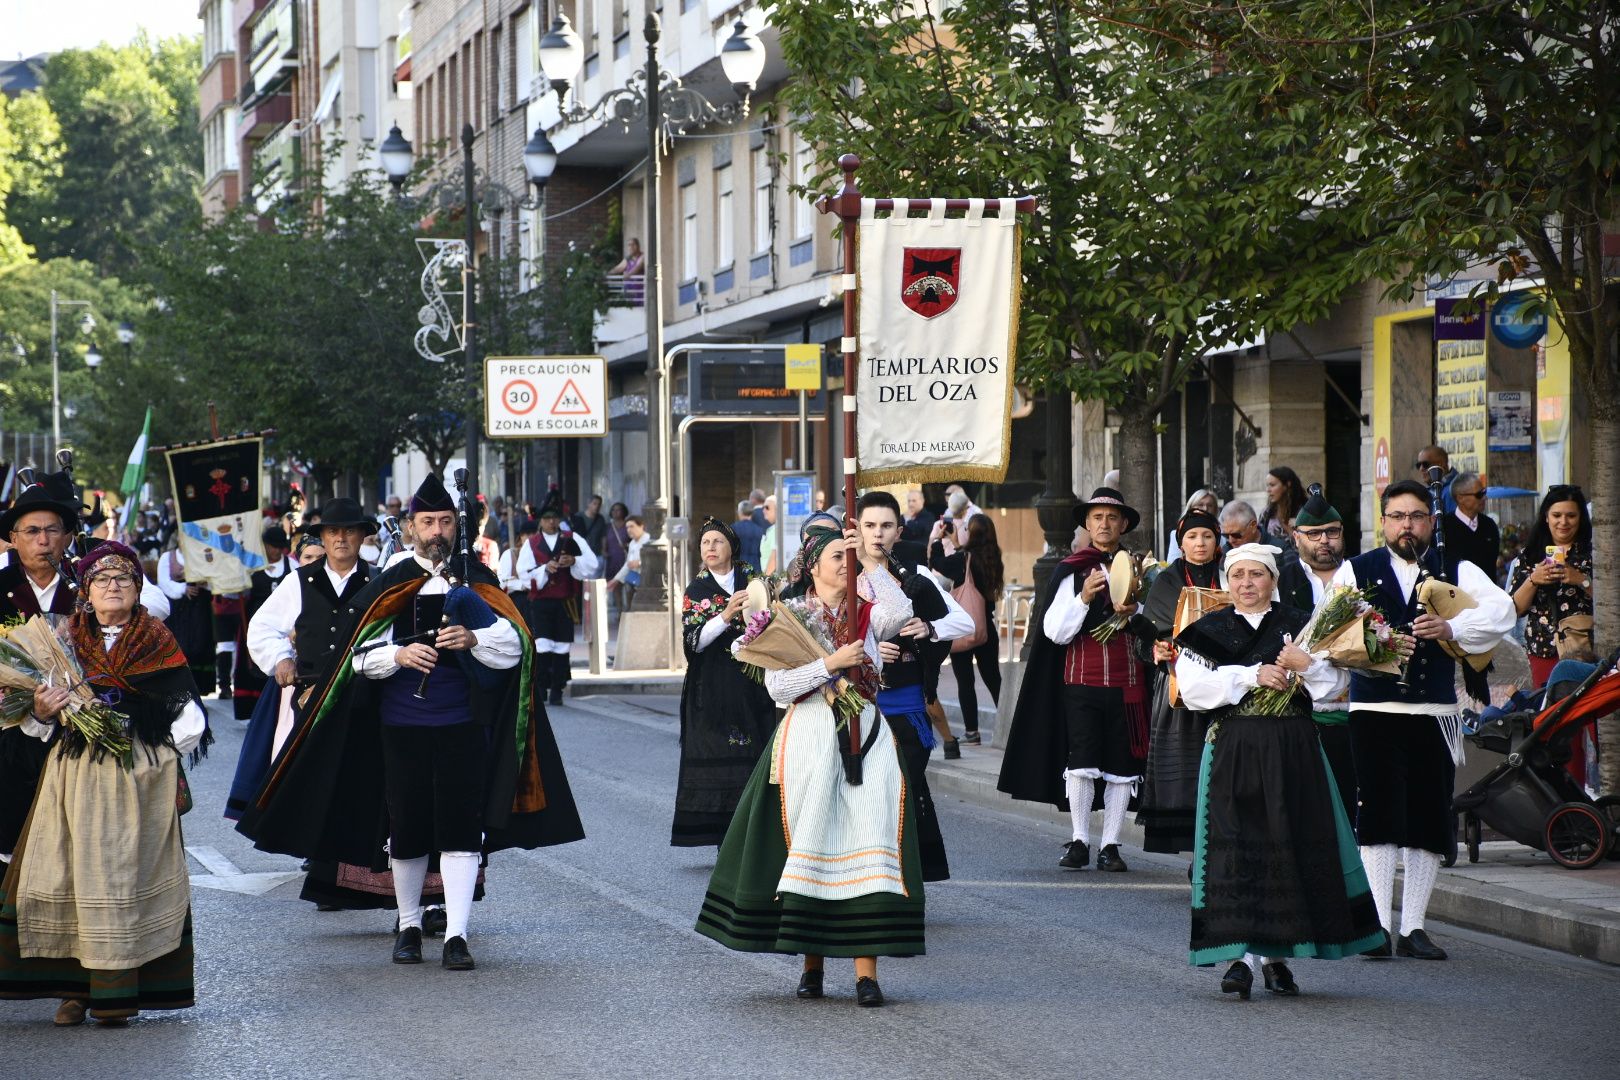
1276, 872
107, 925
726, 717
812, 863
1176, 739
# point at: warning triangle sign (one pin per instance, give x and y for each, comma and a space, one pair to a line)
570, 402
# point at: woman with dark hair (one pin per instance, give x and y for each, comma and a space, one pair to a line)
726, 717
1552, 580
615, 540
1284, 496
96, 905
980, 556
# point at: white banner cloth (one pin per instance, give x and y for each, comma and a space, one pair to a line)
938, 318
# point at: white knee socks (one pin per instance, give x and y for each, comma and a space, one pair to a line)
1116, 800
1421, 869
1379, 862
1081, 791
460, 872
408, 877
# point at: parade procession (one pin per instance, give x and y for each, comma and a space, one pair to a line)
828, 538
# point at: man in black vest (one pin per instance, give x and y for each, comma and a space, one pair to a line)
937, 618
1405, 734
248, 679
552, 565
39, 525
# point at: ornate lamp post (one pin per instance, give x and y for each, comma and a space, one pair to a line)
667, 108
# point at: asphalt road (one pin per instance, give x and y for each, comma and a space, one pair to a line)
588, 966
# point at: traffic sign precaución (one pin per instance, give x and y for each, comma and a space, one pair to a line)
545, 397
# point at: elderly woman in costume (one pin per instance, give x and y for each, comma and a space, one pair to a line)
726, 717
1276, 872
97, 904
813, 863
1176, 742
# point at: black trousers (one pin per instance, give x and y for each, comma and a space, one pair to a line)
988, 656
1404, 781
1098, 730
434, 780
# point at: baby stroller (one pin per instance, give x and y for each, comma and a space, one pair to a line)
1530, 797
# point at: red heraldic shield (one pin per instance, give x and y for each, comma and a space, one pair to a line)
931, 279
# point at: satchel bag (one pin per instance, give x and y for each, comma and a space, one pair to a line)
972, 600
1575, 638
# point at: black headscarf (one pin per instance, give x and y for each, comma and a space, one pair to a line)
1197, 519
711, 524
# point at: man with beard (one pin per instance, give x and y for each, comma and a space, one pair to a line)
1304, 576
1405, 734
425, 739
1082, 713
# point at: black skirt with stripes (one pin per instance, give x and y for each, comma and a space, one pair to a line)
742, 909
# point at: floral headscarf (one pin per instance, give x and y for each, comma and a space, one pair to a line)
816, 539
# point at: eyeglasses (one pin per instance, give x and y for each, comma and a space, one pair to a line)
34, 532
112, 581
1420, 464
1468, 495
1314, 535
1234, 535
1407, 519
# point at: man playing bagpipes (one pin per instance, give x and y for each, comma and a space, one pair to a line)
427, 739
553, 565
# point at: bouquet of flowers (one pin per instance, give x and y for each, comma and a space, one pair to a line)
1349, 631
31, 655
1129, 579
789, 635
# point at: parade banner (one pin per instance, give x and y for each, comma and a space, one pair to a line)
938, 322
216, 496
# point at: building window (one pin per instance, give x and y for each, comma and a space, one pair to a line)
523, 56
497, 62
804, 168
760, 162
726, 226
689, 232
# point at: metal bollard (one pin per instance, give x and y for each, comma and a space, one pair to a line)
596, 614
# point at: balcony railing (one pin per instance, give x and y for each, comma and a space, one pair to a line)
626, 290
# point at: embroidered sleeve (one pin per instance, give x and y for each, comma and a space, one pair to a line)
891, 607
790, 684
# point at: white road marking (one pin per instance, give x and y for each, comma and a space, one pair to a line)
226, 876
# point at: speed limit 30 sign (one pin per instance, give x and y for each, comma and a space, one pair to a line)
541, 397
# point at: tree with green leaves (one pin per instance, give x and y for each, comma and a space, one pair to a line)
1483, 134
131, 160
1166, 230
30, 161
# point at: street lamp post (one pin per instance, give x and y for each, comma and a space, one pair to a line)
669, 109
87, 323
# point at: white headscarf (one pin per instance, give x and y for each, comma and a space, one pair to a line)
1264, 554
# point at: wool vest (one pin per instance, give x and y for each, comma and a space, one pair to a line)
559, 586
321, 612
1225, 639
1431, 675
446, 697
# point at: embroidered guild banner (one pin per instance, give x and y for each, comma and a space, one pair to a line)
938, 323
216, 498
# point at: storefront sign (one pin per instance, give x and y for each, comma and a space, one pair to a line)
803, 367
1514, 324
1512, 419
938, 325
1459, 319
1460, 415
746, 382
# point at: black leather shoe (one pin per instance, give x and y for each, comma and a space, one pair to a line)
1239, 979
1108, 859
868, 995
434, 922
1418, 946
1279, 980
1381, 952
810, 984
408, 946
953, 750
456, 956
555, 698
327, 907
1078, 857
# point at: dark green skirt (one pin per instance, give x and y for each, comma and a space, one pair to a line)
1276, 870
742, 909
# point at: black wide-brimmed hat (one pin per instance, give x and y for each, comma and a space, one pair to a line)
344, 513
1108, 497
54, 494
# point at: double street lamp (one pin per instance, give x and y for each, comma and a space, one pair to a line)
92, 358
466, 187
668, 109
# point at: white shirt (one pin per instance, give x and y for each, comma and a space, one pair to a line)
632, 554
1471, 522
1065, 614
532, 573
187, 729
1476, 630
717, 626
174, 590
269, 632
496, 646
1204, 688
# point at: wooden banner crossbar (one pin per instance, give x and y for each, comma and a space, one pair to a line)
846, 204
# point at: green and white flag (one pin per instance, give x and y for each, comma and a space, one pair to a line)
135, 469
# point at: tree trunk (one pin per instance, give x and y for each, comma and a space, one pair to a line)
1604, 479
1138, 465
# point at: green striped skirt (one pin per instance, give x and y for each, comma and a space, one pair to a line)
742, 909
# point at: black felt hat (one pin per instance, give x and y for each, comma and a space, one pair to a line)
1108, 497
344, 513
431, 497
552, 507
55, 494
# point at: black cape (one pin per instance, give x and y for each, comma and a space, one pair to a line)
324, 798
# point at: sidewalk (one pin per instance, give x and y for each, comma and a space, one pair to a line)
1512, 891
